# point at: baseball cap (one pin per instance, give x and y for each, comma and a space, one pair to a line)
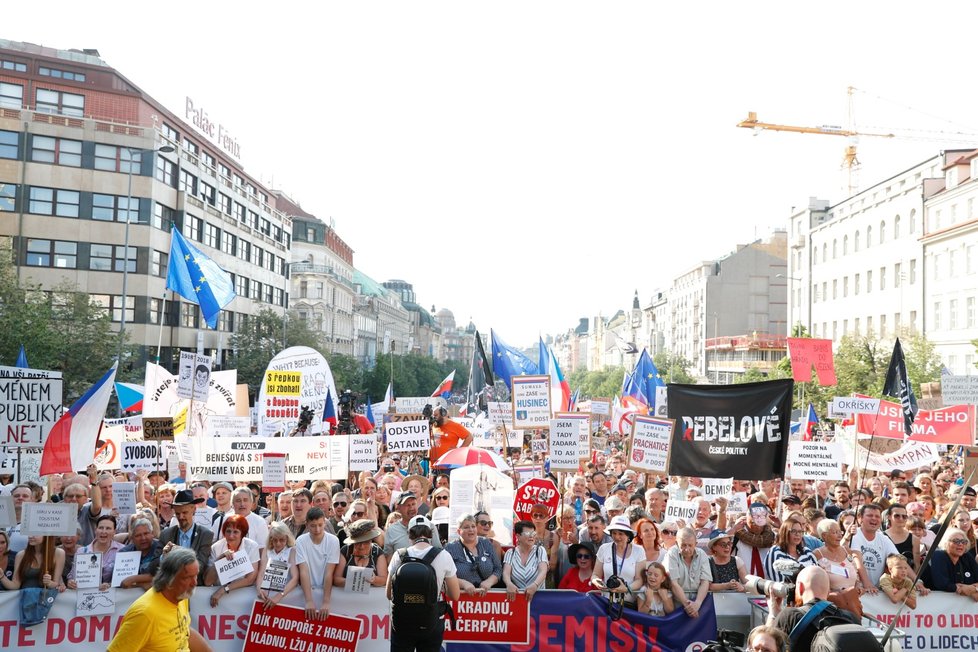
419, 520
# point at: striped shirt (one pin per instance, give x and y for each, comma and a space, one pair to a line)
523, 575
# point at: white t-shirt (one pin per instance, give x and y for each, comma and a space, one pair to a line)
443, 563
874, 553
248, 547
317, 555
626, 566
257, 529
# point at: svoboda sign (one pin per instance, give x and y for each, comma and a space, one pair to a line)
213, 130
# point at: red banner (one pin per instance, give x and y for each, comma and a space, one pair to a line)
286, 628
952, 425
490, 619
806, 353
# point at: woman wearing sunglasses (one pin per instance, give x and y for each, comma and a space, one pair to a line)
578, 578
483, 523
951, 569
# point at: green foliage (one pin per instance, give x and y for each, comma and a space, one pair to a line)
256, 343
673, 367
414, 375
602, 383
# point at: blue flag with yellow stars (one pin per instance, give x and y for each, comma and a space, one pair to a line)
197, 278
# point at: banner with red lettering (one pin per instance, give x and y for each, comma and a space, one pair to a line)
806, 353
286, 628
954, 425
491, 618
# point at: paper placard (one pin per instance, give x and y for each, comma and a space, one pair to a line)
538, 446
681, 510
737, 502
514, 438
716, 487
358, 579
565, 441
276, 576
126, 565
501, 413
845, 406
146, 455
531, 401
124, 497
92, 602
815, 460
49, 519
229, 570
959, 390
273, 475
601, 406
415, 404
30, 405
195, 376
8, 517
158, 428
650, 444
88, 570
363, 453
239, 458
228, 426
408, 436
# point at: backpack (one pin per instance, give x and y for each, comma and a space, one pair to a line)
414, 593
835, 632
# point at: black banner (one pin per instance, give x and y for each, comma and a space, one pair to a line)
730, 431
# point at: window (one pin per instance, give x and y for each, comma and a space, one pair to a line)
952, 313
952, 260
207, 193
166, 171
257, 256
970, 312
256, 290
212, 236
882, 326
191, 147
106, 258
913, 221
845, 286
191, 228
277, 233
207, 160
158, 263
913, 271
49, 201
11, 95
855, 242
56, 150
869, 281
60, 103
171, 134
825, 252
845, 245
239, 212
253, 219
228, 243
51, 253
266, 227
117, 159
869, 325
109, 208
855, 287
869, 237
303, 289
241, 286
969, 259
61, 74
855, 326
225, 321
896, 323
9, 145
937, 315
8, 197
224, 203
269, 294
225, 172
244, 249
189, 315
936, 272
882, 278
310, 234
896, 227
188, 182
162, 216
16, 66
882, 232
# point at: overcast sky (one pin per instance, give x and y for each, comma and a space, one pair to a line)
526, 164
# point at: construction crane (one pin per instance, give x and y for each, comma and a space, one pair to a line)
850, 162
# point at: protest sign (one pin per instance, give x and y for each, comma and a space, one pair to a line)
491, 618
8, 517
514, 438
93, 602
649, 450
126, 565
598, 443
843, 407
276, 575
535, 490
408, 436
730, 430
953, 425
138, 455
358, 579
969, 462
88, 570
912, 455
29, 407
601, 406
363, 452
231, 569
286, 628
193, 381
565, 442
737, 502
279, 405
501, 413
416, 404
531, 401
815, 460
805, 353
959, 390
273, 476
716, 487
661, 402
240, 458
49, 519
681, 510
539, 445
158, 428
124, 497
229, 426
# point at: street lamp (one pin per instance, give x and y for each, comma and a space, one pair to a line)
125, 268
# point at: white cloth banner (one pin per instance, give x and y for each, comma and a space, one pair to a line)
240, 458
911, 455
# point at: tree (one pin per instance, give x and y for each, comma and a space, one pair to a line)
923, 362
673, 367
261, 338
601, 383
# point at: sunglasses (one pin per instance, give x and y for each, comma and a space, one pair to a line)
898, 516
441, 497
485, 523
583, 556
724, 544
590, 511
960, 542
358, 514
536, 517
339, 504
670, 533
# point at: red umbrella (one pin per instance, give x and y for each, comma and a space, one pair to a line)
469, 455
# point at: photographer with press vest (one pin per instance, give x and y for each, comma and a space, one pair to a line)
417, 577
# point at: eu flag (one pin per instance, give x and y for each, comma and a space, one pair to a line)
197, 278
647, 377
508, 362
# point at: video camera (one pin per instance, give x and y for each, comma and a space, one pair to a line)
345, 425
305, 418
789, 568
727, 641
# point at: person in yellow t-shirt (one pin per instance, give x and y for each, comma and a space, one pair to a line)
160, 619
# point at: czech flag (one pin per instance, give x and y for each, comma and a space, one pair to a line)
70, 445
130, 396
812, 422
329, 414
370, 410
560, 393
445, 389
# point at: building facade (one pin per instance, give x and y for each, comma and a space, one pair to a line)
381, 323
87, 197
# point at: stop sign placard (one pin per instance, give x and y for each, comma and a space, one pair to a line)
533, 491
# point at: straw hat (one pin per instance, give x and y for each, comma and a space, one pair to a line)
425, 484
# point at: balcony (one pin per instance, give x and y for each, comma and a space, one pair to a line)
310, 268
